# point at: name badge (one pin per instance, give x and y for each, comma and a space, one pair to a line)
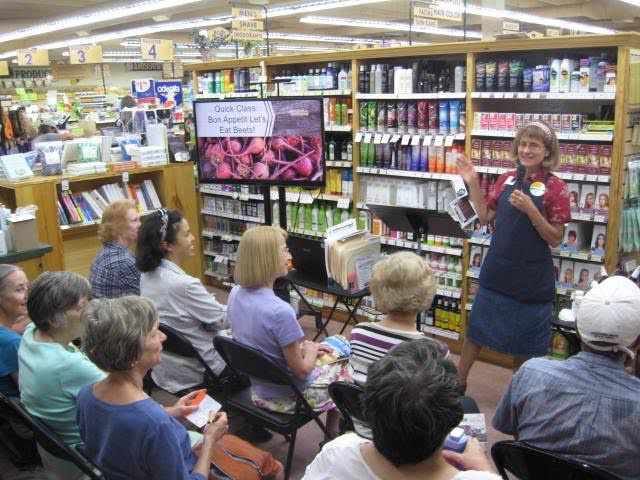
510, 180
537, 189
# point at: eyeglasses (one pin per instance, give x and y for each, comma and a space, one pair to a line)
532, 146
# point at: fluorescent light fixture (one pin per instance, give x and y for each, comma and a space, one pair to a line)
396, 26
93, 18
321, 38
301, 48
635, 3
188, 54
315, 6
122, 53
13, 53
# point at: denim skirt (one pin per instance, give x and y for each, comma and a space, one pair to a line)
505, 325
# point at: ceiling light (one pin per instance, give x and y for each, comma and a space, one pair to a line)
95, 17
321, 38
376, 24
315, 6
15, 60
160, 18
188, 54
122, 53
635, 3
13, 53
306, 48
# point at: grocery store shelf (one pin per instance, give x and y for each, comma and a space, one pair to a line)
576, 177
585, 137
411, 96
235, 195
441, 332
337, 128
232, 216
546, 95
405, 173
229, 237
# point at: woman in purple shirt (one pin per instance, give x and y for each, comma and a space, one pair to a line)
263, 321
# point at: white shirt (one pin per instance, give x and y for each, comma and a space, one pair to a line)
342, 459
184, 304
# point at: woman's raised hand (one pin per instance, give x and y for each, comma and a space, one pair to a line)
465, 168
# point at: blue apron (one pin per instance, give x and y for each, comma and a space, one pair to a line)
519, 262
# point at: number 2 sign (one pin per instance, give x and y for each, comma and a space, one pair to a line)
83, 54
33, 56
156, 49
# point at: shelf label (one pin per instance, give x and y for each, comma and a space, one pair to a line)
415, 140
405, 139
448, 141
395, 138
427, 140
306, 198
377, 138
344, 202
125, 177
386, 137
64, 184
358, 137
82, 54
156, 49
367, 138
439, 140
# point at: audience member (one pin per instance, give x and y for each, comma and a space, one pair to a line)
14, 288
183, 303
411, 401
402, 285
48, 132
586, 407
263, 321
52, 370
113, 270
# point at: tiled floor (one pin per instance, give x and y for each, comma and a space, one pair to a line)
486, 384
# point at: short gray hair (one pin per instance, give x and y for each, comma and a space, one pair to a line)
52, 294
5, 270
115, 329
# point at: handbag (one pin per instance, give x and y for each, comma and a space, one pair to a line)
235, 459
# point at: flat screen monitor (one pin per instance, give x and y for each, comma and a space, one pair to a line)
278, 141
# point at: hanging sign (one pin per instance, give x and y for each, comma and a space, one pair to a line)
83, 54
425, 22
4, 68
156, 49
246, 25
510, 27
246, 13
444, 10
33, 56
552, 32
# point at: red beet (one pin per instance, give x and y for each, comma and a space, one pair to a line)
304, 167
223, 171
260, 170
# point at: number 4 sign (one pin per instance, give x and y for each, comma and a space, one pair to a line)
155, 49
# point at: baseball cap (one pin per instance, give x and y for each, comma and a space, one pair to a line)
610, 313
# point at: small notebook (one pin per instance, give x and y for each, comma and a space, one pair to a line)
205, 404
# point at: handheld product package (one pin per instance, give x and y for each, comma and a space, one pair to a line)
350, 255
461, 209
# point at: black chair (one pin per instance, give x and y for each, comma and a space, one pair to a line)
178, 345
249, 361
347, 397
48, 440
527, 462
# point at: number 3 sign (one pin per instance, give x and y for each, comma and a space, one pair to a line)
84, 54
155, 49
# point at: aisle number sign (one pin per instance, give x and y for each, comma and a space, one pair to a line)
156, 49
83, 54
33, 56
4, 68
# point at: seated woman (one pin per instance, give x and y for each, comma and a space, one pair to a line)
52, 370
126, 433
411, 401
402, 285
183, 303
113, 270
263, 321
14, 289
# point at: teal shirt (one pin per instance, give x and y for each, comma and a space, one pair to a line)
50, 379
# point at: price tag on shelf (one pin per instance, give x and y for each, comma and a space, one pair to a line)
344, 203
274, 195
600, 218
377, 138
415, 140
125, 177
448, 140
591, 178
358, 137
384, 171
439, 141
509, 95
306, 198
291, 197
405, 139
523, 95
386, 137
395, 138
367, 138
64, 184
427, 140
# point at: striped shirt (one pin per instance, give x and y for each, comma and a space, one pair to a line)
371, 341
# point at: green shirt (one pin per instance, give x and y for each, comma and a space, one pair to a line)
50, 378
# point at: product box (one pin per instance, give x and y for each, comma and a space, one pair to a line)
24, 232
566, 273
574, 196
556, 270
169, 92
587, 198
602, 200
599, 239
144, 91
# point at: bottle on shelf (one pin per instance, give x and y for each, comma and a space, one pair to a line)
329, 77
342, 78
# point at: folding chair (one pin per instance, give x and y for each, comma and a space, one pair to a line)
249, 361
50, 441
347, 397
527, 462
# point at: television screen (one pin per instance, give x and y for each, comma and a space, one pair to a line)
278, 141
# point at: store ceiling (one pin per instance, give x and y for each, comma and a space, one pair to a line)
14, 15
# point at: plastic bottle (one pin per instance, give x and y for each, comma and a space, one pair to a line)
295, 216
385, 79
314, 216
323, 79
342, 78
378, 77
554, 75
328, 214
337, 213
349, 76
361, 80
289, 210
565, 76
372, 79
344, 215
322, 218
328, 81
574, 85
458, 73
275, 214
308, 219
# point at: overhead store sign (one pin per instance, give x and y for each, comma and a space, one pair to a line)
552, 32
84, 54
425, 22
4, 68
156, 49
62, 71
510, 27
247, 25
447, 10
33, 56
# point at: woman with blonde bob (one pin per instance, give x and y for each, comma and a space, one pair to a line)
263, 321
514, 305
113, 270
402, 285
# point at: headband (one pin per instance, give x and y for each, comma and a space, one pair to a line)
547, 131
164, 217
